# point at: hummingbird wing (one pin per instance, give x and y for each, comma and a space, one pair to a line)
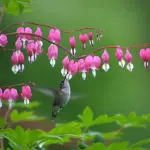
75, 96
46, 91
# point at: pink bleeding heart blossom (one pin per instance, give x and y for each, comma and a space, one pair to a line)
29, 49
24, 37
14, 59
72, 43
52, 54
105, 58
18, 44
93, 63
10, 95
128, 58
65, 63
83, 67
54, 36
26, 94
1, 96
72, 69
39, 33
119, 56
83, 38
91, 41
3, 40
145, 56
21, 61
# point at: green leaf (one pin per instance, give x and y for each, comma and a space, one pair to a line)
118, 146
2, 122
87, 117
97, 146
20, 139
5, 2
22, 116
141, 143
102, 119
71, 128
13, 8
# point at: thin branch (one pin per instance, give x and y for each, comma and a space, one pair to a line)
6, 50
53, 27
20, 84
2, 13
83, 56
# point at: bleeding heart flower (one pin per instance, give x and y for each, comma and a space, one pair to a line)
83, 38
128, 58
91, 41
26, 94
72, 43
52, 54
105, 58
3, 40
65, 63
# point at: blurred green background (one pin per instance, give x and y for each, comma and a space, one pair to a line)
125, 23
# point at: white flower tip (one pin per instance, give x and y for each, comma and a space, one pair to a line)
91, 43
146, 64
63, 72
83, 75
122, 63
73, 51
52, 62
10, 103
94, 73
15, 69
130, 67
105, 67
1, 103
26, 102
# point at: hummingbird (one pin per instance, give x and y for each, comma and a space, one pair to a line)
61, 96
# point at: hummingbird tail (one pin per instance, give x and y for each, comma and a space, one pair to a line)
55, 111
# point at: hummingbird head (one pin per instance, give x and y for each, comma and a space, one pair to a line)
64, 84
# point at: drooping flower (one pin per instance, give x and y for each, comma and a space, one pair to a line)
83, 38
3, 40
91, 41
39, 33
21, 61
119, 56
29, 49
52, 54
24, 37
145, 56
54, 36
14, 59
10, 95
93, 63
1, 96
26, 94
65, 63
83, 67
105, 58
72, 43
72, 69
128, 58
18, 44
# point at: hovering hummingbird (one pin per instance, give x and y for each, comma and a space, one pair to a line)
61, 96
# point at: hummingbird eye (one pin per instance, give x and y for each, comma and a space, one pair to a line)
61, 84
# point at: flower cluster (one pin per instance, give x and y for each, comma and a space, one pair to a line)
11, 94
33, 45
90, 63
25, 41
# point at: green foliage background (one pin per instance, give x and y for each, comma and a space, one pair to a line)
125, 22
